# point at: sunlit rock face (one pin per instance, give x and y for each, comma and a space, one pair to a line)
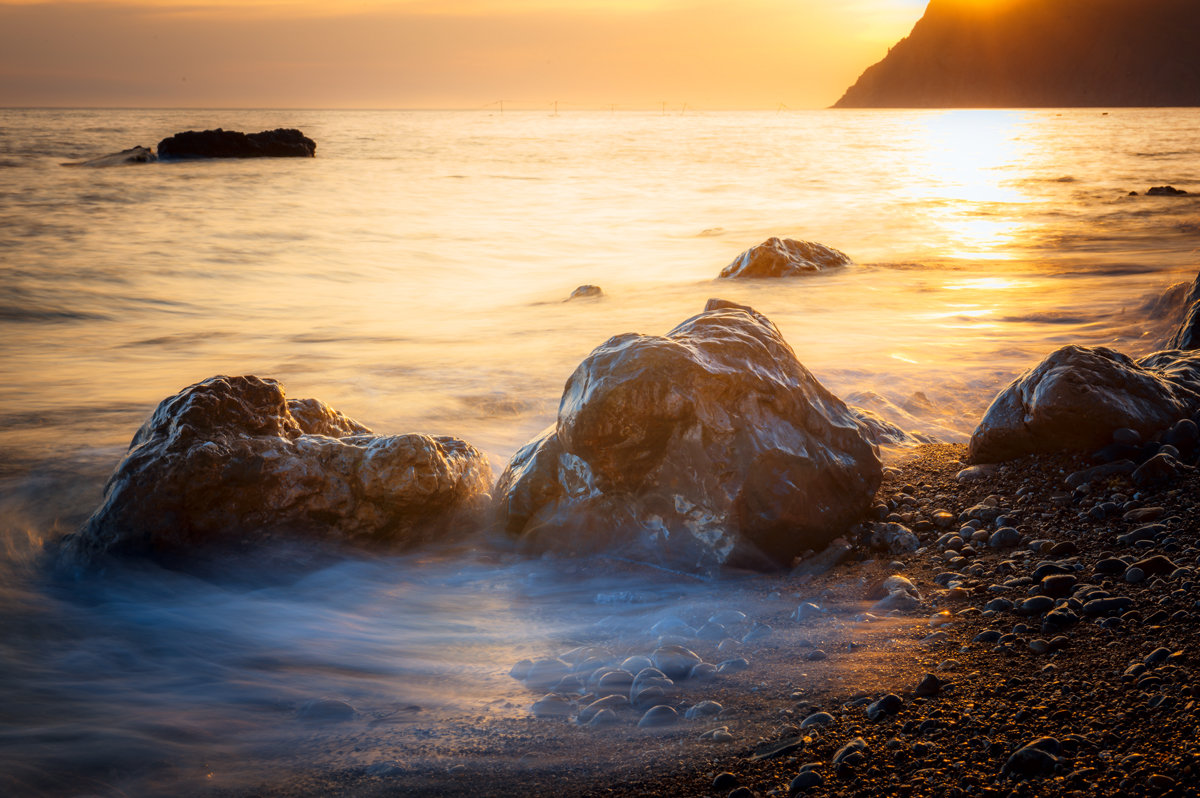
232, 461
707, 447
1078, 396
279, 143
784, 257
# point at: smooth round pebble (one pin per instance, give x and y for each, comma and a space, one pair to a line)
660, 715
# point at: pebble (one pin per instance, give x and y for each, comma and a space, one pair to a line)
889, 704
1034, 605
806, 611
704, 709
551, 706
724, 782
929, 686
605, 717
658, 716
733, 665
805, 780
636, 664
611, 703
703, 671
727, 617
675, 661
1038, 758
543, 674
1135, 575
818, 719
326, 710
1004, 538
759, 631
816, 655
850, 754
718, 735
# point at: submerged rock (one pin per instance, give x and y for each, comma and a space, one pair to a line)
131, 155
709, 446
279, 143
586, 292
784, 257
1165, 191
231, 461
1078, 396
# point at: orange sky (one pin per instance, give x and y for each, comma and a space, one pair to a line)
443, 53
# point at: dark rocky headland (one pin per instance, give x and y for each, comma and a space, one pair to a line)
1013, 617
1039, 53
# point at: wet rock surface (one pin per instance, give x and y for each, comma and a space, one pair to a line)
784, 257
231, 461
707, 447
279, 143
1078, 397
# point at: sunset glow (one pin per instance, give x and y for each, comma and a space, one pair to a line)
624, 54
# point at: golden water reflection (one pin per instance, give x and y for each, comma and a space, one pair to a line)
969, 158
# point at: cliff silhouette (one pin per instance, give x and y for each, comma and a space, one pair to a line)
1040, 53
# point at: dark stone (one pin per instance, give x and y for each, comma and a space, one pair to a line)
1038, 758
710, 446
1165, 191
1155, 566
1105, 607
1106, 471
1058, 585
724, 782
230, 461
280, 143
929, 686
1034, 605
889, 704
784, 257
1077, 397
849, 755
1159, 469
805, 780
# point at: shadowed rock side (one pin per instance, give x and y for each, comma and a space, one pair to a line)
784, 257
1039, 53
1188, 334
230, 461
1078, 397
280, 143
709, 446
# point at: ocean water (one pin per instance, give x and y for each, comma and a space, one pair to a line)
413, 275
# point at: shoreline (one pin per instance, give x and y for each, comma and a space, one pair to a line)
1115, 731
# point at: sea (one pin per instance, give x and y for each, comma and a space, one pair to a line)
415, 274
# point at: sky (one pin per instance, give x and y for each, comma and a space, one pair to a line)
582, 54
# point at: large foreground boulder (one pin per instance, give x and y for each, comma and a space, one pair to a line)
784, 257
231, 461
1078, 396
710, 446
279, 143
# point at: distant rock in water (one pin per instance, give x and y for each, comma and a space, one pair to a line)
586, 292
1165, 191
131, 155
1078, 397
280, 143
1039, 53
231, 461
706, 447
784, 257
